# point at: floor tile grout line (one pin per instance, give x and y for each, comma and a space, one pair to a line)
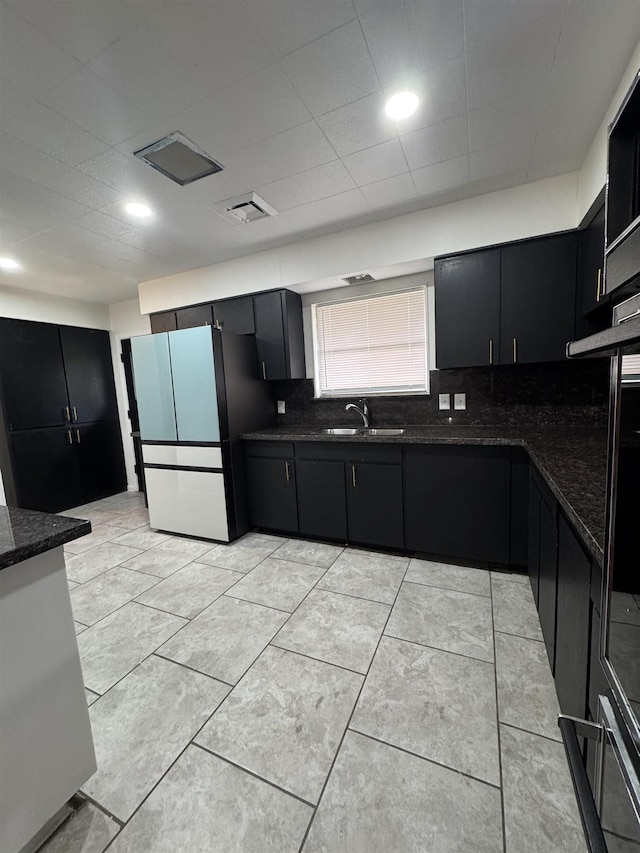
424, 758
520, 636
250, 601
351, 595
439, 649
448, 588
253, 773
98, 806
317, 660
353, 709
529, 732
193, 669
499, 739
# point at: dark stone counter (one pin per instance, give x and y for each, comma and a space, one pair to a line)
571, 460
25, 533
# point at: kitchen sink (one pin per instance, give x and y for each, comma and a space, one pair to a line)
341, 431
390, 431
361, 431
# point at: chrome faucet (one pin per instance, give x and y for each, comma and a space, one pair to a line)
363, 412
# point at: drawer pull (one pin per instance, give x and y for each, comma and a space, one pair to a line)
491, 351
599, 291
75, 413
68, 413
264, 370
69, 436
515, 350
353, 476
78, 436
287, 472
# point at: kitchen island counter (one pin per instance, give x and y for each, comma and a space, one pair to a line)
25, 533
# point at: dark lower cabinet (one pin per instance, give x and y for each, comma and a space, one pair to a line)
322, 501
457, 501
271, 488
572, 624
46, 469
548, 579
533, 548
375, 504
100, 460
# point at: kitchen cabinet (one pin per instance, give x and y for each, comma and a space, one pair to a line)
322, 499
89, 372
99, 453
591, 264
537, 299
512, 304
467, 293
45, 466
374, 504
457, 501
279, 337
163, 321
548, 571
196, 315
235, 315
572, 622
271, 486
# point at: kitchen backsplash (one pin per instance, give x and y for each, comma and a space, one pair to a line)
572, 393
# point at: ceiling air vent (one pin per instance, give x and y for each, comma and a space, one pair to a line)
247, 208
358, 279
179, 158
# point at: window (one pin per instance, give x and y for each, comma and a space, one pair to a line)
371, 345
630, 372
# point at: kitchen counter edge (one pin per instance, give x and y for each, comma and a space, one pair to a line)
25, 533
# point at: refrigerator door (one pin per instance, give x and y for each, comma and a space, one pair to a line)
194, 384
152, 378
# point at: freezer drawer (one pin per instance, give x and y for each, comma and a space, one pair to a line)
187, 457
188, 502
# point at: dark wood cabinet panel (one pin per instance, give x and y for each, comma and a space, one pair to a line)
519, 509
548, 579
374, 504
467, 310
533, 547
100, 459
235, 315
164, 321
537, 299
572, 624
32, 373
271, 487
89, 372
322, 501
279, 337
196, 315
591, 264
46, 472
457, 502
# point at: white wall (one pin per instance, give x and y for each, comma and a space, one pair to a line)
126, 321
525, 211
32, 305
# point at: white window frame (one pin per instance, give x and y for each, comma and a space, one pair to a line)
354, 392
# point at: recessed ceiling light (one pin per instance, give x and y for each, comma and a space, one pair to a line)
9, 264
401, 105
138, 209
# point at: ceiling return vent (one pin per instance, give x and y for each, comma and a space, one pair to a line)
247, 208
179, 158
361, 278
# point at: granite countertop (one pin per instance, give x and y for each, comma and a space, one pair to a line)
571, 460
25, 533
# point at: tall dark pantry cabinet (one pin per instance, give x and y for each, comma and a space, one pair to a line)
61, 442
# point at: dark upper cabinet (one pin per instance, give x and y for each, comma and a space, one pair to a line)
32, 374
278, 323
100, 459
537, 299
271, 486
572, 624
235, 315
89, 371
322, 501
591, 264
374, 504
457, 501
467, 293
196, 315
164, 321
46, 475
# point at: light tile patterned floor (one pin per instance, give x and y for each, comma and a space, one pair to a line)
283, 695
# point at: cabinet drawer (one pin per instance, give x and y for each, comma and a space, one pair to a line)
188, 502
269, 449
349, 452
183, 457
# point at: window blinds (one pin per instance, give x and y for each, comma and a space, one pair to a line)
372, 345
630, 368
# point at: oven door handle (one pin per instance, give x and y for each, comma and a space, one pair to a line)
584, 796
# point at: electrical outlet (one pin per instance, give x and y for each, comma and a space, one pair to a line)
460, 402
282, 407
444, 402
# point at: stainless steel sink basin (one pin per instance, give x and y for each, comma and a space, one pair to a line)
389, 431
341, 431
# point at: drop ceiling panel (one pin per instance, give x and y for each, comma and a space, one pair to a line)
390, 192
377, 163
502, 158
503, 120
332, 71
321, 182
442, 176
437, 142
358, 125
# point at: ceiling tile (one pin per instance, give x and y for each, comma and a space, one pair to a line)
494, 78
503, 120
83, 29
407, 36
526, 28
390, 192
320, 182
19, 43
503, 158
332, 71
121, 172
540, 169
377, 163
358, 125
435, 143
290, 24
325, 212
442, 176
214, 41
288, 153
558, 141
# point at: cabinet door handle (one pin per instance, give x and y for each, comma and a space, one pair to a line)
264, 370
491, 352
353, 476
67, 413
599, 291
78, 436
75, 413
515, 350
69, 436
287, 472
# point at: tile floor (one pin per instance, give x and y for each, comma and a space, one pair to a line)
283, 695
